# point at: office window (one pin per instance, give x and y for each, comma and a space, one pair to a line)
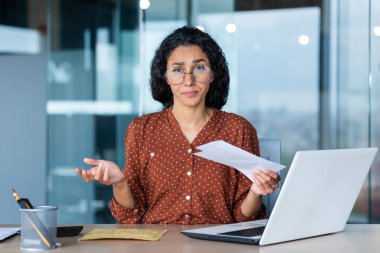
299, 73
306, 72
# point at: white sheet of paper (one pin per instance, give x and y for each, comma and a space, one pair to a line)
243, 161
6, 232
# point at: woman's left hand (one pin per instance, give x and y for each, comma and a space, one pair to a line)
264, 182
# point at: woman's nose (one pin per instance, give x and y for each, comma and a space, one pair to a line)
188, 79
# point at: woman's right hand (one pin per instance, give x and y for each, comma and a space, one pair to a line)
105, 172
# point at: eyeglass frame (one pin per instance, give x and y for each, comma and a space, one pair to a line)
192, 76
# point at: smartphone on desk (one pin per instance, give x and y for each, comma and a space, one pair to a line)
68, 231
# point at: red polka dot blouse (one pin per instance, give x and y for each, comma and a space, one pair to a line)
171, 185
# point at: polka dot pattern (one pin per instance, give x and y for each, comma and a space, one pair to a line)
171, 185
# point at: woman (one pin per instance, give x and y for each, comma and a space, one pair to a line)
163, 182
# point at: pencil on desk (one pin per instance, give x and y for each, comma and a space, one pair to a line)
35, 221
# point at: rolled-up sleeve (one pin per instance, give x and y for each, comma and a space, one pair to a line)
243, 187
132, 173
250, 143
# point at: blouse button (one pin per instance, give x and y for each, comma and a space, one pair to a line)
136, 210
189, 150
187, 216
189, 173
187, 197
151, 154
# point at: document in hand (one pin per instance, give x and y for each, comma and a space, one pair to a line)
227, 154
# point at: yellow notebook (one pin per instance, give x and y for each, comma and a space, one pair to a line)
137, 234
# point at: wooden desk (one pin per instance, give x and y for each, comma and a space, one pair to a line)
356, 238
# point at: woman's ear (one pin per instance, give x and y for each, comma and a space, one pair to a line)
212, 78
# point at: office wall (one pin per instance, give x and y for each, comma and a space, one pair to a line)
22, 132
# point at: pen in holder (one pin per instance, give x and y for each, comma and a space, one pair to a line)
38, 225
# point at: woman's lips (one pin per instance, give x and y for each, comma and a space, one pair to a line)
190, 93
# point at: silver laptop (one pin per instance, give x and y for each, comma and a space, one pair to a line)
316, 198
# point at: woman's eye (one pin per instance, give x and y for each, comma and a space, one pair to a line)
200, 68
177, 70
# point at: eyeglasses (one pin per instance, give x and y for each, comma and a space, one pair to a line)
200, 74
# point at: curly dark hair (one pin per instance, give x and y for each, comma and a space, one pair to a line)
190, 36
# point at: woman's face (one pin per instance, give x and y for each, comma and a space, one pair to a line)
189, 76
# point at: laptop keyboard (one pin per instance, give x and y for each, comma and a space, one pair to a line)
246, 232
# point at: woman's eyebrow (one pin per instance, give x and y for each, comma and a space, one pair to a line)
178, 63
199, 60
194, 61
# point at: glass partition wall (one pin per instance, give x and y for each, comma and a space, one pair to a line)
94, 82
305, 72
374, 105
352, 88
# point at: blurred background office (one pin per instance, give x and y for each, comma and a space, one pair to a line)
74, 73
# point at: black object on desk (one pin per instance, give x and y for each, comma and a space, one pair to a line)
69, 231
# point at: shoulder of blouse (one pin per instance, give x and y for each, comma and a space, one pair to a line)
141, 121
139, 125
237, 119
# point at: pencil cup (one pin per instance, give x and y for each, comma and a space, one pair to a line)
39, 228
